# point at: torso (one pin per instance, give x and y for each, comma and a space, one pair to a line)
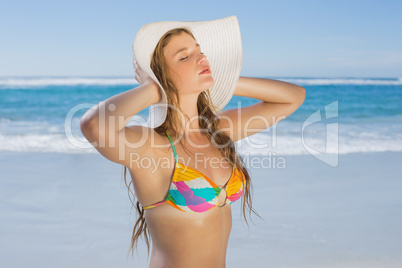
181, 239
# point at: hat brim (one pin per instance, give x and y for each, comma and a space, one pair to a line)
220, 40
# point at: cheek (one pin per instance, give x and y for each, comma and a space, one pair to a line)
185, 76
176, 76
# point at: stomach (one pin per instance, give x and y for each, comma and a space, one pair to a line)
182, 239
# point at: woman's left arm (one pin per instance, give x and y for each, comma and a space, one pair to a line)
278, 100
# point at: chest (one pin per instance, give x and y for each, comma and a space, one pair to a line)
200, 165
207, 162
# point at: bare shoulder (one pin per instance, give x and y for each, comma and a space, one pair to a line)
144, 147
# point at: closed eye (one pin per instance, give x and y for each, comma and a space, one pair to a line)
202, 53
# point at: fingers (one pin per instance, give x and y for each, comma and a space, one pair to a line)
135, 65
138, 77
137, 68
137, 71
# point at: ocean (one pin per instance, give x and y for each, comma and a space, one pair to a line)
338, 116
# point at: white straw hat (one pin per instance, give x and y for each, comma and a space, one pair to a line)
220, 40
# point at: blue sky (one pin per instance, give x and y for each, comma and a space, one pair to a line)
280, 38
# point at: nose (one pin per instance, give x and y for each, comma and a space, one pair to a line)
202, 59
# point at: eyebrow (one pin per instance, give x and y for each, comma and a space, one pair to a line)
184, 48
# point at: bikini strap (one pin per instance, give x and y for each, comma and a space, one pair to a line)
174, 149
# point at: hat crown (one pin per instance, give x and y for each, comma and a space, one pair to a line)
219, 39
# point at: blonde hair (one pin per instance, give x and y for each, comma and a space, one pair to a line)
205, 110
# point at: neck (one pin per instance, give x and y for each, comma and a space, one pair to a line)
190, 126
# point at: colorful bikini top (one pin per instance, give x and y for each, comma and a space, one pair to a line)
192, 191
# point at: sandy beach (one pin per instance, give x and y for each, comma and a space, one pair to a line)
72, 210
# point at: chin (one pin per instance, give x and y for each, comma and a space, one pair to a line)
210, 83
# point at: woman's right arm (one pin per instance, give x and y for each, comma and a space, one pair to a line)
104, 125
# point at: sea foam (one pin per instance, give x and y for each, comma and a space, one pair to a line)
71, 81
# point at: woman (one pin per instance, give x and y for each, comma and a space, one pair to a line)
181, 164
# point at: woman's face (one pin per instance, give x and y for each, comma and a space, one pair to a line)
187, 65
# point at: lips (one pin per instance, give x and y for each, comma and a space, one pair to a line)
205, 70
